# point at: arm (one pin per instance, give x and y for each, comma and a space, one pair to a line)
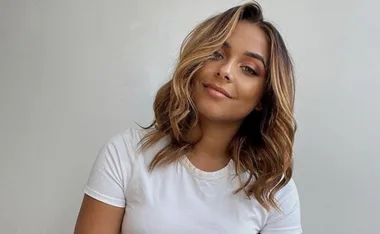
103, 204
96, 217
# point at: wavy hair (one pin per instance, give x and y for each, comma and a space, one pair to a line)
263, 146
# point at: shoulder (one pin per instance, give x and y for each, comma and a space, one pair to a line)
121, 149
128, 140
127, 144
112, 168
287, 199
289, 191
115, 165
286, 220
129, 137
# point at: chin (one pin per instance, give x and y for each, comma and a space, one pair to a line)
214, 112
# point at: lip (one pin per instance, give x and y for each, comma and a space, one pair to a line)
218, 89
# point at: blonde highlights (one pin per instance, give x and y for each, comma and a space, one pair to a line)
263, 145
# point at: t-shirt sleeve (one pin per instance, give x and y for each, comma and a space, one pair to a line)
288, 220
109, 174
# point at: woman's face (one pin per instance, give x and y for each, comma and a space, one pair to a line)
229, 86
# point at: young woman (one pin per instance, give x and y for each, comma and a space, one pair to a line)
218, 156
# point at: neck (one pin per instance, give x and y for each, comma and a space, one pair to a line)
211, 151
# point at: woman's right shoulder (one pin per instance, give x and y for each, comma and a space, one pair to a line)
127, 139
127, 143
131, 136
113, 166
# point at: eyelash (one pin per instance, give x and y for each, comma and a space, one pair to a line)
250, 71
217, 55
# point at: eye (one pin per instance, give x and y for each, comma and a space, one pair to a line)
250, 71
217, 55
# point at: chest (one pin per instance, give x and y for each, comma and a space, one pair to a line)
175, 201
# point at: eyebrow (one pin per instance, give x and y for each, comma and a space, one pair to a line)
249, 54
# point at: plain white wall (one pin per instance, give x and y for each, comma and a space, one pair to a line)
73, 73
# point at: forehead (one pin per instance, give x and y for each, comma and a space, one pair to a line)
249, 37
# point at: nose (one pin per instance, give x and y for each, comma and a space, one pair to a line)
225, 72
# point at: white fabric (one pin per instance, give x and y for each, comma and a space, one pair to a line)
179, 198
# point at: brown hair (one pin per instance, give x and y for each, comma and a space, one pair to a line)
263, 145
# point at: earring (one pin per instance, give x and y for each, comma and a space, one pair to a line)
259, 107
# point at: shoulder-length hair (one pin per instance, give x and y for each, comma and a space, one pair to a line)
263, 146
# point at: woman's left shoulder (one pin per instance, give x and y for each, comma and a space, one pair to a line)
286, 220
288, 191
287, 197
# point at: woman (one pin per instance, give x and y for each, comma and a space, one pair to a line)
218, 156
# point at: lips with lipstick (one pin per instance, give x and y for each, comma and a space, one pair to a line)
216, 90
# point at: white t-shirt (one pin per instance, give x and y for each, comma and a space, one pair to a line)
180, 198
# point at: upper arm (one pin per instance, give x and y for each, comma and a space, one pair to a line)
96, 217
104, 201
288, 221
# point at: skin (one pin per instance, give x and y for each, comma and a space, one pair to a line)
243, 77
96, 217
239, 68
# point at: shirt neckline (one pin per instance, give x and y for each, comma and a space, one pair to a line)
208, 175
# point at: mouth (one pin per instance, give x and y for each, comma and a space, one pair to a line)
217, 90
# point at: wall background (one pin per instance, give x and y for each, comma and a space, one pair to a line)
74, 73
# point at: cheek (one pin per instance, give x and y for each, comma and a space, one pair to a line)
206, 70
250, 93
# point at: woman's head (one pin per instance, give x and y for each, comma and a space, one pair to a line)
230, 85
233, 68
